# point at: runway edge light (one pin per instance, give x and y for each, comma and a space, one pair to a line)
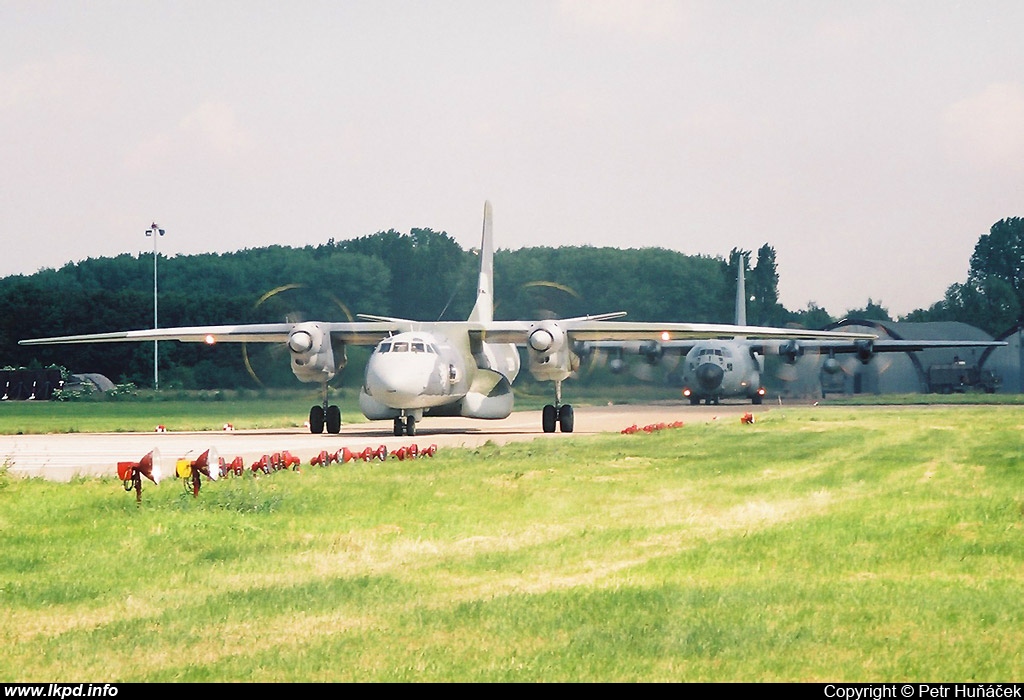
131, 473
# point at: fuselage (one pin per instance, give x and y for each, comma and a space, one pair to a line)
723, 369
413, 372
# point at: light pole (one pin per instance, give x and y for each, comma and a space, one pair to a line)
155, 231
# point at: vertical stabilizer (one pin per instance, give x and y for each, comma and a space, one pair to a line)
741, 291
483, 310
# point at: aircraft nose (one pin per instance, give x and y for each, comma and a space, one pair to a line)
395, 383
709, 376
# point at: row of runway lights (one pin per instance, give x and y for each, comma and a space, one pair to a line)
746, 419
213, 467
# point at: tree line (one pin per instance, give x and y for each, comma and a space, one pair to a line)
423, 275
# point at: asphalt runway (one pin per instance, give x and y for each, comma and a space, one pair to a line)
63, 457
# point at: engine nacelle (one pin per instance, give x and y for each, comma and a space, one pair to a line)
832, 366
791, 350
865, 350
548, 350
546, 337
312, 356
652, 351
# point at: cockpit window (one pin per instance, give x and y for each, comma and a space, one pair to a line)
408, 346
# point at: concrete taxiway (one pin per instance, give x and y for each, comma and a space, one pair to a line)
62, 457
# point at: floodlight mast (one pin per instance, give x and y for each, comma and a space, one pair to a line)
155, 231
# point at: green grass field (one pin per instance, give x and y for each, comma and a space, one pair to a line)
840, 544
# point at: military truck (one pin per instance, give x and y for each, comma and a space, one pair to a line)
960, 377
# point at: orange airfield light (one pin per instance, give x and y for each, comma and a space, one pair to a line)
131, 473
190, 471
211, 465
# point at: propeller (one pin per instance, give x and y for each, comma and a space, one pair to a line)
655, 362
550, 300
287, 301
644, 372
787, 372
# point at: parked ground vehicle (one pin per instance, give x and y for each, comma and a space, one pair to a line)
960, 377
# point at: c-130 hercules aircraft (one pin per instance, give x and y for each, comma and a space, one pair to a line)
443, 368
732, 367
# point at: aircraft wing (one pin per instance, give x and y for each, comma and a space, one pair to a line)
795, 346
595, 329
908, 345
873, 346
359, 333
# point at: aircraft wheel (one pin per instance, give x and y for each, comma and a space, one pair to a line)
548, 418
565, 418
410, 425
399, 427
694, 400
756, 400
333, 420
316, 420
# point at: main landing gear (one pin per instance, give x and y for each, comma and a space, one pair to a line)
405, 424
558, 414
325, 416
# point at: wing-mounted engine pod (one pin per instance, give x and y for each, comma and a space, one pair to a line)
311, 353
300, 341
546, 337
791, 350
652, 351
865, 350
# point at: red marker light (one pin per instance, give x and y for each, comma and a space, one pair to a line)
210, 340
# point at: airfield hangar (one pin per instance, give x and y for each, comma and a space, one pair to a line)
937, 370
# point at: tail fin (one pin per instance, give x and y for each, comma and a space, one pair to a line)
741, 292
483, 310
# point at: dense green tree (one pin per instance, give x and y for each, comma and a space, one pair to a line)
763, 290
989, 303
430, 273
874, 311
813, 317
999, 255
992, 298
648, 284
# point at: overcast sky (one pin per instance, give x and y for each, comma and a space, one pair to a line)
870, 143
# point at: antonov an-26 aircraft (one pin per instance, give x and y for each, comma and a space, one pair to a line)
444, 368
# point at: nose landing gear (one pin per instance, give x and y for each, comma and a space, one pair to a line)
406, 424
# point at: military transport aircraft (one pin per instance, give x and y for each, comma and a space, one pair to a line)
731, 368
445, 368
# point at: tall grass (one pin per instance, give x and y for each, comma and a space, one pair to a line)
817, 544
